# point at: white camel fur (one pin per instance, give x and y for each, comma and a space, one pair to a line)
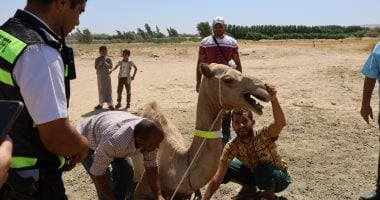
222, 87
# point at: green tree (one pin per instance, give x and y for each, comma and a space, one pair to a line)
204, 29
148, 30
172, 32
142, 33
255, 36
158, 33
84, 36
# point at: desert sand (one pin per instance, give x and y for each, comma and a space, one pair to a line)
331, 152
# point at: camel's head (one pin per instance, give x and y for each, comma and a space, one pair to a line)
232, 89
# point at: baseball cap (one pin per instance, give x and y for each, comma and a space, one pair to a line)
218, 20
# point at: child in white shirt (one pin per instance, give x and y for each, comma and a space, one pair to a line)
125, 77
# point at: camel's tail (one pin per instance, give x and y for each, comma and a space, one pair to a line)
152, 111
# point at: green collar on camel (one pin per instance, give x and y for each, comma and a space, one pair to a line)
208, 134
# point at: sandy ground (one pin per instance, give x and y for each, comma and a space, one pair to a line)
331, 152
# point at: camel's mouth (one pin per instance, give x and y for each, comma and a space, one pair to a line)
251, 99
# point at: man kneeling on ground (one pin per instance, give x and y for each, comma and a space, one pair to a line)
259, 164
114, 136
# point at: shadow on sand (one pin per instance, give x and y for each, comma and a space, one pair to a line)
95, 112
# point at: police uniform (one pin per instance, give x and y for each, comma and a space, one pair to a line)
26, 44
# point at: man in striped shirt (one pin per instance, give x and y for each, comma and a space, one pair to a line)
114, 136
218, 48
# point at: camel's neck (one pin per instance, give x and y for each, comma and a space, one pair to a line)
207, 112
206, 163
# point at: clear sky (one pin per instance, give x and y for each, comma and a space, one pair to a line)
107, 16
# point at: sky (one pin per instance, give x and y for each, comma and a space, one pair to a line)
107, 16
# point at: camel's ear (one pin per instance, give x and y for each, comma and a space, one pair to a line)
205, 69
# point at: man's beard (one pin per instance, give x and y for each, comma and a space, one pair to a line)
245, 135
218, 34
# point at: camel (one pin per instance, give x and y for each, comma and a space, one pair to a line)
222, 87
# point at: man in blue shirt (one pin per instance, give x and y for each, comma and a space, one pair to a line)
371, 71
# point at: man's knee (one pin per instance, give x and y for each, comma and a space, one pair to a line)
239, 173
270, 177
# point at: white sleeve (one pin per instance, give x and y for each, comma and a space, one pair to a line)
39, 74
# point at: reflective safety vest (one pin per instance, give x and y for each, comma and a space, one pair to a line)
15, 36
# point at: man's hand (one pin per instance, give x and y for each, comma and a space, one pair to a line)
197, 87
366, 111
271, 90
5, 161
73, 160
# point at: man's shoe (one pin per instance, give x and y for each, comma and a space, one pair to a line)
369, 196
111, 107
118, 105
247, 192
128, 106
98, 107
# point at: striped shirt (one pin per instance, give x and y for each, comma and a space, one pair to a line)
212, 53
260, 149
110, 135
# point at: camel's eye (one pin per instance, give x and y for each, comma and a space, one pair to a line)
228, 80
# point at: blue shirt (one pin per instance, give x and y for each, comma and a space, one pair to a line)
371, 68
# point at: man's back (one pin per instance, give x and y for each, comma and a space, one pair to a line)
104, 125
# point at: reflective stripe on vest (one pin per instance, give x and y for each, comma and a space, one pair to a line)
6, 77
10, 47
66, 70
23, 162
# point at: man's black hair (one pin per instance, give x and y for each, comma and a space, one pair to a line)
241, 112
127, 51
48, 2
147, 127
102, 48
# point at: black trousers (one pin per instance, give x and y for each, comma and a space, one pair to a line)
123, 82
48, 187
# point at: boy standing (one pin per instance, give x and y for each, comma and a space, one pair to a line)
125, 77
102, 65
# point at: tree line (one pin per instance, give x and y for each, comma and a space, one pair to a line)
257, 32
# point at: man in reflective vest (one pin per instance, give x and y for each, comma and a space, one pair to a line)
32, 71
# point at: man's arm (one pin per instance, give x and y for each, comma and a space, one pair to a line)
201, 59
134, 72
62, 139
275, 128
106, 190
5, 161
236, 59
217, 179
366, 109
108, 63
116, 66
154, 182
